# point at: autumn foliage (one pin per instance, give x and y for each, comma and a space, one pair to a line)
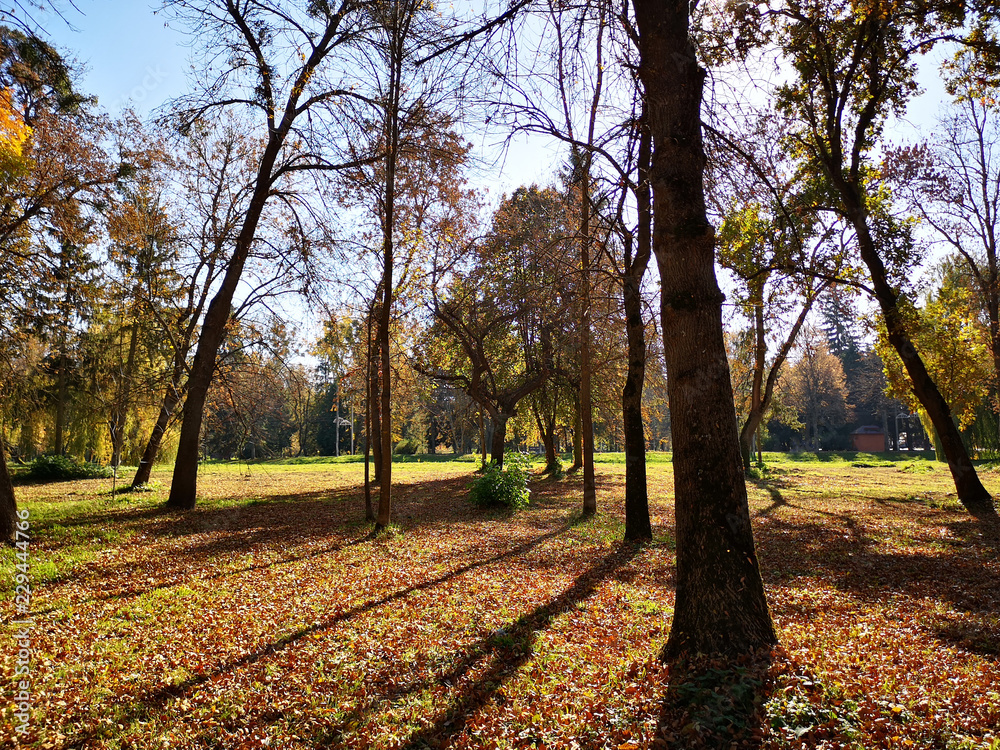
268, 618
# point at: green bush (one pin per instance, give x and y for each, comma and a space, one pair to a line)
505, 487
61, 468
406, 447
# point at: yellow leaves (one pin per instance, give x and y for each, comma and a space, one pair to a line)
14, 133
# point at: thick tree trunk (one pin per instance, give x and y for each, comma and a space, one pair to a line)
8, 503
167, 406
720, 605
499, 437
637, 525
971, 492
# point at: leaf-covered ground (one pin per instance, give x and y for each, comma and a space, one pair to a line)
269, 617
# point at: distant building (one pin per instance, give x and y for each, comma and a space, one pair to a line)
869, 438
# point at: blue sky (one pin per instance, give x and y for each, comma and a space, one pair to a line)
128, 52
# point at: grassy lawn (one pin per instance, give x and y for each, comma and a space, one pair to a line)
268, 617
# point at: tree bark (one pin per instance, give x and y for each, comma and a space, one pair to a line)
374, 437
762, 392
547, 430
637, 525
720, 605
499, 437
8, 502
577, 436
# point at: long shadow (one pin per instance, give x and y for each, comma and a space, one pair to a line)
855, 564
158, 699
275, 522
507, 653
772, 486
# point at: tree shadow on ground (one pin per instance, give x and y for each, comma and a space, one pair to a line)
855, 563
275, 530
505, 653
715, 702
143, 707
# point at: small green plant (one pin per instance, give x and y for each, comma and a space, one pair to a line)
505, 487
61, 468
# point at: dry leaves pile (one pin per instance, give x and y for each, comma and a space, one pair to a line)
269, 618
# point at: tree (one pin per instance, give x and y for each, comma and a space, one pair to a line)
493, 327
258, 45
50, 159
953, 184
720, 605
816, 388
854, 65
949, 331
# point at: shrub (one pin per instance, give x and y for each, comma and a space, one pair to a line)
406, 447
505, 487
61, 468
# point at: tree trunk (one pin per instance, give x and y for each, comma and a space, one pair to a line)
61, 395
546, 429
482, 436
760, 399
971, 492
577, 437
374, 437
499, 437
720, 605
119, 413
167, 406
184, 486
586, 399
637, 525
8, 503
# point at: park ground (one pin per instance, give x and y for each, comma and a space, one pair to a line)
270, 617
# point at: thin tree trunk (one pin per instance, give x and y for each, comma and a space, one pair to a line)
8, 502
760, 400
184, 486
61, 396
546, 430
720, 605
577, 436
637, 525
167, 406
119, 414
385, 487
375, 400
